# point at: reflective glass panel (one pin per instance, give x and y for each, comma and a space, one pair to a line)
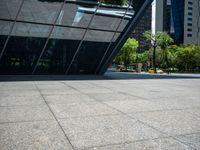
91, 52
9, 8
23, 48
41, 11
108, 17
30, 30
4, 30
76, 14
59, 51
129, 15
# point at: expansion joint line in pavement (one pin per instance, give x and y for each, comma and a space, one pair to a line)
54, 116
167, 135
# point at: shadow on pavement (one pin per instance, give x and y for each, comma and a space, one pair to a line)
107, 76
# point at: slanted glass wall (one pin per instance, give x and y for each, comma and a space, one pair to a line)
60, 36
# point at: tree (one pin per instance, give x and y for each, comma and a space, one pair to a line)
172, 57
161, 39
188, 57
127, 53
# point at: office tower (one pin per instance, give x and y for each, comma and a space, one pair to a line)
180, 18
192, 22
143, 25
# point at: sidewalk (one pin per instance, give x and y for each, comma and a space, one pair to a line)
110, 114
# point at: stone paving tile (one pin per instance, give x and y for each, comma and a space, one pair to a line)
156, 94
20, 92
191, 139
17, 86
67, 99
96, 90
180, 102
80, 84
128, 106
173, 122
24, 113
58, 91
156, 144
112, 96
21, 100
50, 86
194, 111
81, 109
41, 135
104, 130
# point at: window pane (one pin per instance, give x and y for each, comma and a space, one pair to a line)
60, 50
9, 8
100, 36
40, 11
67, 33
129, 14
30, 30
108, 18
23, 48
88, 57
4, 30
76, 14
91, 52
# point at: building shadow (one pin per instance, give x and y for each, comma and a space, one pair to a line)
107, 76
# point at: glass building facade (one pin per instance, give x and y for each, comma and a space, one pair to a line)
64, 36
178, 9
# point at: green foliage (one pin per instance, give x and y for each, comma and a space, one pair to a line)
170, 57
185, 58
127, 54
188, 57
142, 57
159, 42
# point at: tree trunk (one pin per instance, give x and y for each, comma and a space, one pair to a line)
154, 59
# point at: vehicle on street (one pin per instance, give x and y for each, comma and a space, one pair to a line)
158, 70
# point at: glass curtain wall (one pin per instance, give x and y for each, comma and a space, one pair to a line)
60, 36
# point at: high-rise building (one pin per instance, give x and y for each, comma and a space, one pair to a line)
192, 22
159, 14
143, 25
180, 18
64, 36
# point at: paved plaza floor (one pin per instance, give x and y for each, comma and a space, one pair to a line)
105, 113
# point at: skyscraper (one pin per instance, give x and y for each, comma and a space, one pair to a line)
143, 25
180, 18
192, 22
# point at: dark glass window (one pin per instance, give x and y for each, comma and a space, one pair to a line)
4, 30
189, 19
189, 24
91, 50
23, 48
190, 8
189, 13
190, 3
60, 50
189, 35
189, 30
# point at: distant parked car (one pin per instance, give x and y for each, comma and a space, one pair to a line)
158, 70
122, 68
